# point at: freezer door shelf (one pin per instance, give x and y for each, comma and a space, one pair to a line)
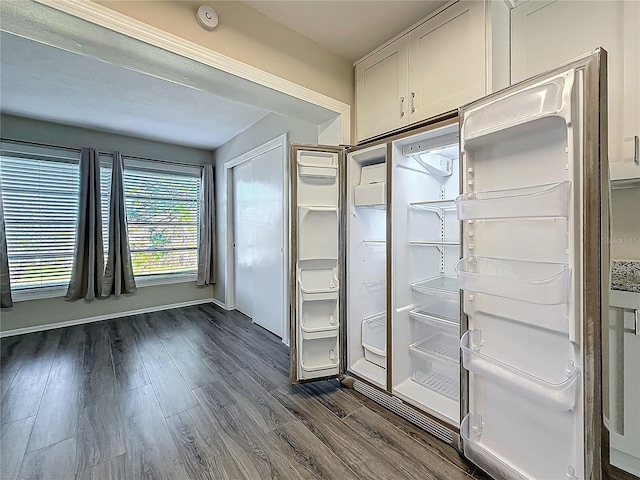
537, 201
319, 356
560, 397
317, 164
533, 282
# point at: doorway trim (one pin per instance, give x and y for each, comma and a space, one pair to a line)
229, 273
120, 23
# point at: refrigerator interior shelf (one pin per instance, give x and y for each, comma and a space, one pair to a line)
451, 326
419, 243
439, 344
471, 431
438, 375
550, 98
435, 206
435, 163
374, 338
560, 396
533, 282
441, 282
551, 200
374, 243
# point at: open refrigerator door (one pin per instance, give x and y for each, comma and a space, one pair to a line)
530, 275
316, 263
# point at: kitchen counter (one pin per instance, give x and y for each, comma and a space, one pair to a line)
625, 276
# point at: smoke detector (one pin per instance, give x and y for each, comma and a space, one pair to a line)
207, 18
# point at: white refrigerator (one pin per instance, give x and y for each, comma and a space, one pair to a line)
453, 272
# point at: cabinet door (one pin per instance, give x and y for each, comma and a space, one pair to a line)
381, 91
631, 70
447, 61
548, 33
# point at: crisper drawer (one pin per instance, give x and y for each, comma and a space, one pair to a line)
437, 296
438, 337
374, 339
434, 372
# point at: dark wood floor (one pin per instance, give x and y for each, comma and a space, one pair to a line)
192, 393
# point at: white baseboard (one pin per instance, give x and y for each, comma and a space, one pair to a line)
220, 304
108, 316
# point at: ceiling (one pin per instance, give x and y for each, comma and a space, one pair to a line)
347, 28
47, 83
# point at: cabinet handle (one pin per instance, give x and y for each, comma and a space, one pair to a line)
413, 107
636, 150
401, 107
637, 320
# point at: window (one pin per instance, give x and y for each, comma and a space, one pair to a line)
162, 214
40, 189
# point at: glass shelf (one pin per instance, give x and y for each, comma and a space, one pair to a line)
439, 344
420, 243
435, 206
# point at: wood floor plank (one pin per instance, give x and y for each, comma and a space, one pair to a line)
101, 432
62, 402
250, 447
22, 399
329, 393
255, 401
13, 444
151, 452
114, 469
8, 372
195, 372
351, 448
137, 401
55, 461
174, 395
201, 447
401, 449
71, 345
128, 367
425, 439
310, 457
204, 346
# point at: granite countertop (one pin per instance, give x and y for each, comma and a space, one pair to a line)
625, 276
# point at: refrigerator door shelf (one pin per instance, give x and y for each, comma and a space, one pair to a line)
548, 317
329, 172
434, 373
471, 431
550, 200
320, 354
551, 97
533, 282
319, 332
559, 397
317, 294
437, 296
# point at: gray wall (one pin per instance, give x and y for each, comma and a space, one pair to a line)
32, 313
270, 127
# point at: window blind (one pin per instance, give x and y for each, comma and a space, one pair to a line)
162, 216
40, 196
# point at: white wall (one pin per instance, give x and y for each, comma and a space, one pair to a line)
625, 224
270, 127
33, 313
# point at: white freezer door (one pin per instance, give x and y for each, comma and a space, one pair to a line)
528, 168
316, 263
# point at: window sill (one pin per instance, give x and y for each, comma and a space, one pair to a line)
61, 291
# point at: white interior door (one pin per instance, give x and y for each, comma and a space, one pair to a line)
267, 222
244, 216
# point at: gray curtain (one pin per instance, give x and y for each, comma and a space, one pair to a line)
88, 261
5, 282
206, 244
118, 274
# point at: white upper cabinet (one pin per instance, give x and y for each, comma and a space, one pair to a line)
452, 58
381, 90
447, 61
547, 33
